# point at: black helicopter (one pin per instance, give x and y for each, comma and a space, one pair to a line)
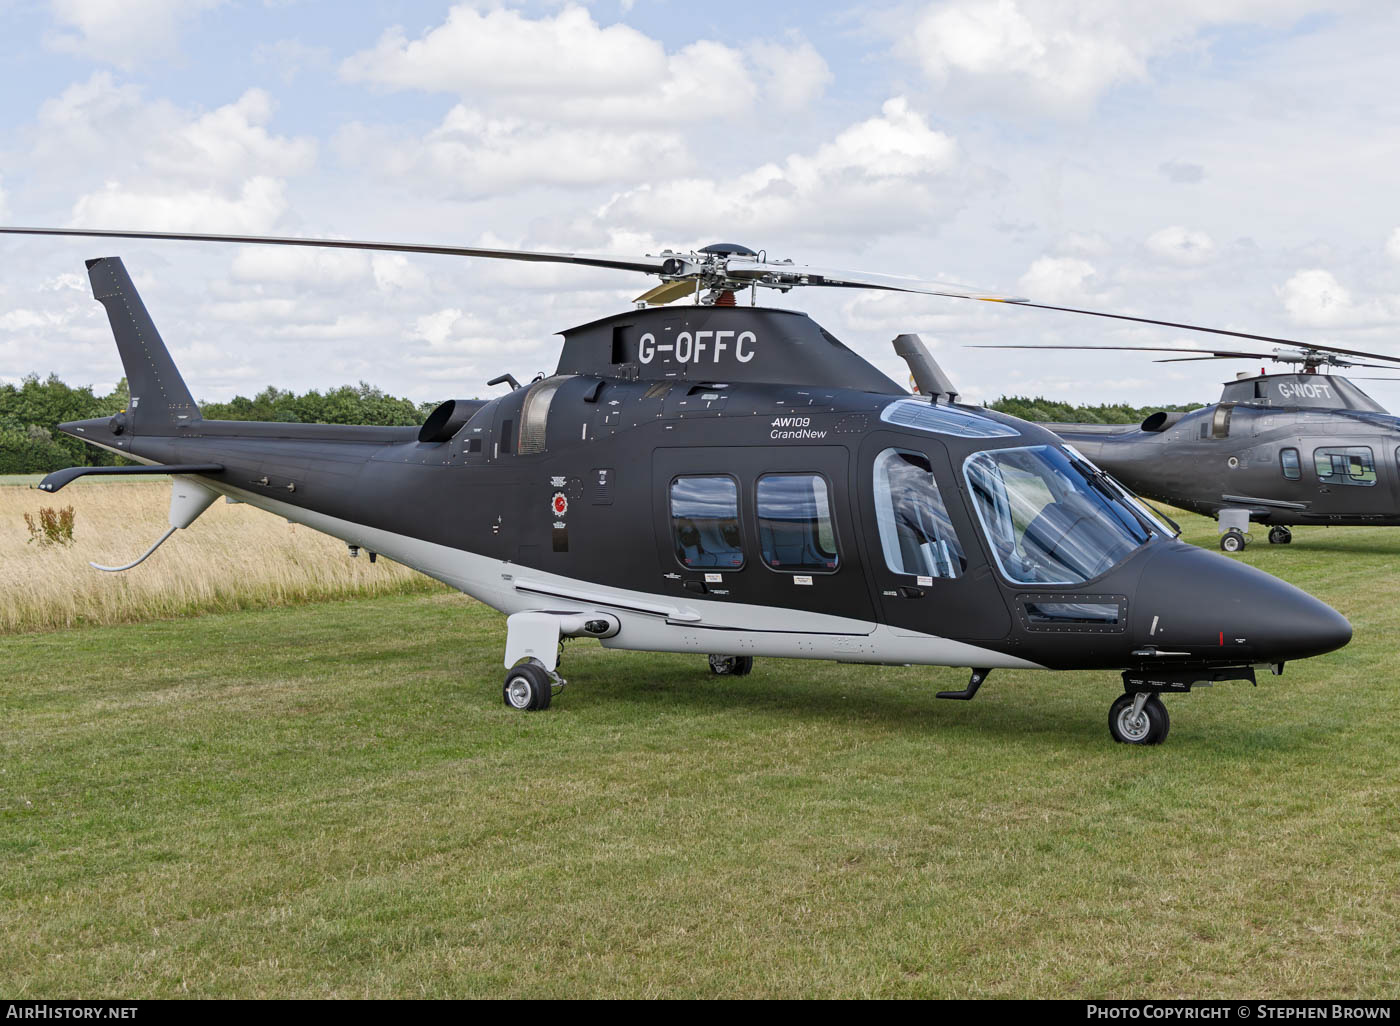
1277, 449
733, 481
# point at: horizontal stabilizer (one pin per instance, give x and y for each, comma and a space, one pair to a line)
59, 478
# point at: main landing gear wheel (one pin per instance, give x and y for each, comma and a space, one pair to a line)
731, 666
1280, 536
528, 687
1233, 541
1139, 719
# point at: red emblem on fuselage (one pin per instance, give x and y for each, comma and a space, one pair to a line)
560, 504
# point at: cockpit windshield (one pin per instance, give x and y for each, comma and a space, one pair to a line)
1051, 518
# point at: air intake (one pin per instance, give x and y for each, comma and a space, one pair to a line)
534, 414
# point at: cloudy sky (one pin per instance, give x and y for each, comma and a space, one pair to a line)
1223, 162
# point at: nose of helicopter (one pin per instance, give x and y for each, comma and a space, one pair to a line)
1194, 601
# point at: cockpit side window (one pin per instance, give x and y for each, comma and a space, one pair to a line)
1050, 520
1288, 459
915, 532
705, 522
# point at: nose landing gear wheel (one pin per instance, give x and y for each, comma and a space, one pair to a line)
1233, 541
731, 666
528, 687
1139, 719
1280, 536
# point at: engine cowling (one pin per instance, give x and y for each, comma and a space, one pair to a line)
448, 419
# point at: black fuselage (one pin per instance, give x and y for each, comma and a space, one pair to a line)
588, 501
1286, 465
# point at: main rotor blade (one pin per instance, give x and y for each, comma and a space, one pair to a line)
896, 283
824, 277
735, 268
647, 265
1218, 356
1204, 354
1262, 356
1201, 354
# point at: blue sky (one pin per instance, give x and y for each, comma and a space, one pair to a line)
1227, 162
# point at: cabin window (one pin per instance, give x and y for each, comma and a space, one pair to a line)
1345, 465
915, 531
705, 522
795, 531
1292, 468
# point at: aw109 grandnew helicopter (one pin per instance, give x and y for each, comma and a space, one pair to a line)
734, 482
1277, 449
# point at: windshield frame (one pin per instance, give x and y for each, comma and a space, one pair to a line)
1087, 481
1153, 518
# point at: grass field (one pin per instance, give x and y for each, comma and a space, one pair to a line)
233, 557
331, 800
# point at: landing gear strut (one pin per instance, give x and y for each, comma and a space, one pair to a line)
1139, 719
1234, 529
529, 686
1280, 536
534, 639
731, 666
1232, 541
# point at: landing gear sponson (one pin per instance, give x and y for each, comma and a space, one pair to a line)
533, 641
1234, 530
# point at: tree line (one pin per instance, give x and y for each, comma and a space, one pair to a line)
1049, 411
31, 411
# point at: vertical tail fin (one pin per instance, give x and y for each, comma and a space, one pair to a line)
159, 399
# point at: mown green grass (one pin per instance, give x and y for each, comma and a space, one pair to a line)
332, 800
32, 480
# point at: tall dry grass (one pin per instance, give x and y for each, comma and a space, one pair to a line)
232, 557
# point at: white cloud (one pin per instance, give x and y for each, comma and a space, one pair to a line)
1392, 245
4, 204
393, 272
316, 268
1315, 298
69, 282
174, 168
1059, 280
888, 172
471, 154
1064, 54
1065, 65
122, 32
29, 320
1181, 246
254, 209
1182, 172
226, 145
1084, 244
566, 67
231, 143
792, 76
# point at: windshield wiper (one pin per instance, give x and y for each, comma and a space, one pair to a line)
1110, 487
